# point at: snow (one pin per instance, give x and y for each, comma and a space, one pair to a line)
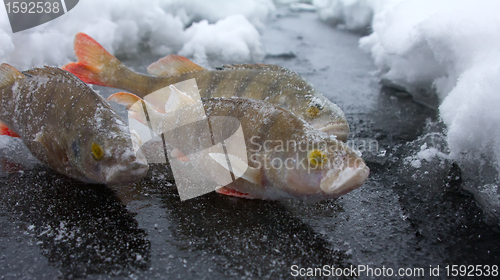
231, 39
427, 154
354, 15
450, 48
124, 27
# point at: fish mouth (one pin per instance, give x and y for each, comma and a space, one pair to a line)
127, 174
341, 130
341, 182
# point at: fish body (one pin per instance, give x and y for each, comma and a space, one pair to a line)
270, 83
287, 157
68, 126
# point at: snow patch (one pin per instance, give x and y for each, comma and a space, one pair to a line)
233, 39
351, 14
124, 27
426, 153
449, 48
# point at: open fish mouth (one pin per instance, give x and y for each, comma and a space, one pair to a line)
127, 174
341, 130
337, 182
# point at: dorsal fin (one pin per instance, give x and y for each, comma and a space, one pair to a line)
259, 66
9, 74
172, 65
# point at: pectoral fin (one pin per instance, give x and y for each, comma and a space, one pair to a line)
239, 168
53, 148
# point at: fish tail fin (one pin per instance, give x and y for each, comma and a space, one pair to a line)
95, 64
5, 130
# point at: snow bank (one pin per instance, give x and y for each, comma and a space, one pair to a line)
452, 46
231, 39
126, 27
447, 47
353, 15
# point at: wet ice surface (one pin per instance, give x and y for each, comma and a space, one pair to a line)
402, 217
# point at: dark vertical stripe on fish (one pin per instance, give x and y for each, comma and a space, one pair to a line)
272, 88
245, 81
215, 78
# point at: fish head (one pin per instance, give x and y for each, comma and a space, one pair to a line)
104, 154
325, 116
315, 170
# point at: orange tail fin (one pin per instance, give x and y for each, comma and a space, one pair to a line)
4, 130
95, 65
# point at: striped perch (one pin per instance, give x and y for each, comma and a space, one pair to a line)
270, 83
287, 158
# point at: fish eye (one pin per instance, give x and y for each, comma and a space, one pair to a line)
316, 157
97, 151
313, 111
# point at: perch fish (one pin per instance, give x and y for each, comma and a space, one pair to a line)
270, 83
68, 126
287, 157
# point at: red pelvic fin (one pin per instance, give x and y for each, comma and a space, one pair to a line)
4, 130
234, 193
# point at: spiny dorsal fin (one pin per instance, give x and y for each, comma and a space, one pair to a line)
258, 66
172, 65
9, 74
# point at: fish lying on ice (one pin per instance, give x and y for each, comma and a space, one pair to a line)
271, 83
288, 158
68, 126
